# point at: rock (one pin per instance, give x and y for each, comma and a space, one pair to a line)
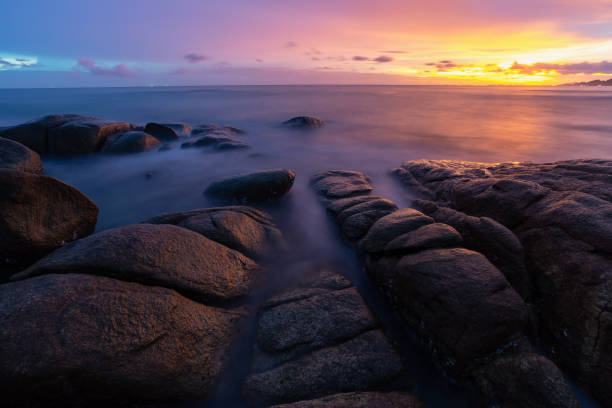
360, 400
232, 145
428, 236
165, 147
205, 129
245, 229
37, 215
304, 122
33, 134
341, 183
252, 187
562, 214
161, 132
182, 129
339, 205
392, 226
234, 130
90, 338
14, 155
319, 337
162, 255
524, 380
82, 136
356, 226
456, 298
134, 142
208, 140
488, 237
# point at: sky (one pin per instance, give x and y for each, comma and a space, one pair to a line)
80, 43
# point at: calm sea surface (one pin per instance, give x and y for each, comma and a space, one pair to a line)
369, 128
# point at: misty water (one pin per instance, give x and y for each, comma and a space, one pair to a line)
369, 128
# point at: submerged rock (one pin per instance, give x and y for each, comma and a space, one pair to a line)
37, 215
304, 122
252, 187
163, 255
134, 142
15, 156
245, 229
75, 337
562, 214
161, 132
182, 129
341, 183
319, 337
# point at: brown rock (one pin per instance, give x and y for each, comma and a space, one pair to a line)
134, 141
37, 215
252, 187
163, 255
341, 183
161, 132
15, 156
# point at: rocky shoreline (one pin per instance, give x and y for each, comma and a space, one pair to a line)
504, 272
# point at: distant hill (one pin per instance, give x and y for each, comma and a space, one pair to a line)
597, 82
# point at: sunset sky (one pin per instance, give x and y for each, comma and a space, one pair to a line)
187, 42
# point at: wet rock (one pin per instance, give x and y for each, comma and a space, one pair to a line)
65, 135
356, 226
252, 187
339, 205
90, 338
33, 134
165, 147
134, 142
524, 380
232, 145
82, 136
341, 183
304, 122
455, 297
360, 400
317, 338
245, 229
234, 130
208, 140
205, 129
488, 237
15, 156
161, 132
182, 129
428, 236
562, 214
37, 215
392, 226
163, 255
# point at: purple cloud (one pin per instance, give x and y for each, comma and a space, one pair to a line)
195, 58
291, 44
360, 58
383, 58
443, 65
89, 64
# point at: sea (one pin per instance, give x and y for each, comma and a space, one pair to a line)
368, 128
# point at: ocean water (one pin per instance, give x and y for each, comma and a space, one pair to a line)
369, 128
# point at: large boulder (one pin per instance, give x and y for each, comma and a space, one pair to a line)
14, 155
252, 187
360, 400
73, 339
37, 215
304, 122
562, 214
133, 142
454, 297
524, 380
245, 229
65, 135
161, 132
341, 183
488, 237
319, 337
164, 255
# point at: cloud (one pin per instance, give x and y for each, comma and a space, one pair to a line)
291, 44
259, 60
360, 58
395, 52
6, 63
383, 58
443, 65
193, 58
603, 67
120, 70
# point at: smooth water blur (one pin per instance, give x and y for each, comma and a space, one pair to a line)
369, 128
